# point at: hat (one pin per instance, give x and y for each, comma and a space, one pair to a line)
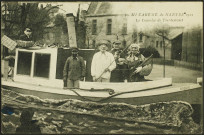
135, 45
103, 42
75, 49
117, 42
28, 29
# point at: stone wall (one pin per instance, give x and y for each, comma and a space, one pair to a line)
178, 63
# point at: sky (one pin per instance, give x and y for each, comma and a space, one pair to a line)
70, 7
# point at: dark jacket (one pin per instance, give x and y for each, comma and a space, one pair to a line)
120, 73
24, 37
74, 68
29, 128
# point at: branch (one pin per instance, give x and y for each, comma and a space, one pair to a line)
52, 8
162, 36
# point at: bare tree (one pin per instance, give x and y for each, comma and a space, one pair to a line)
18, 16
163, 31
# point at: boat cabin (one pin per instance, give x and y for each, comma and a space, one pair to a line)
45, 66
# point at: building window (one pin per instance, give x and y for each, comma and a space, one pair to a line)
141, 37
124, 29
94, 43
94, 27
109, 27
157, 44
134, 37
124, 43
161, 44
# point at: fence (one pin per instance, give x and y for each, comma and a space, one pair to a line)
178, 63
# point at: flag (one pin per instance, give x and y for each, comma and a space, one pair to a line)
7, 42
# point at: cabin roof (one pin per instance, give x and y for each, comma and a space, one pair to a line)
175, 33
99, 8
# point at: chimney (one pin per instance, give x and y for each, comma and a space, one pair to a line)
83, 14
71, 30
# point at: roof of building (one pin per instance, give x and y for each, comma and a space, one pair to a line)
104, 8
98, 8
175, 33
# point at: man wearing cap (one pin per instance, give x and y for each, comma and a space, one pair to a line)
74, 69
27, 36
26, 39
102, 63
134, 59
119, 74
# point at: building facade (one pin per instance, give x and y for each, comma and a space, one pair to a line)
103, 23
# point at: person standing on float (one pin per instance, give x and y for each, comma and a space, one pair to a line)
103, 63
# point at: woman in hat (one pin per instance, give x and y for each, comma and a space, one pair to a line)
135, 59
102, 63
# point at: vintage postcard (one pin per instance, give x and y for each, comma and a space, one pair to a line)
101, 67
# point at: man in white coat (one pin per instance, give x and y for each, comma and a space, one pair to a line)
103, 63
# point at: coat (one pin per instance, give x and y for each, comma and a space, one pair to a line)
120, 73
133, 63
74, 68
29, 128
100, 62
24, 37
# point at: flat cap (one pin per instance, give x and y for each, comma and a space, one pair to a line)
75, 49
135, 45
117, 42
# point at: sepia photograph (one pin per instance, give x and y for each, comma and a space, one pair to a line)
101, 67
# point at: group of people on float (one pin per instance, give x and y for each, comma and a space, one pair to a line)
116, 65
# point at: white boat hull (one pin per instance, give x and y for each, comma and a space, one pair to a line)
188, 92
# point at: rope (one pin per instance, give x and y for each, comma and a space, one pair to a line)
117, 94
110, 91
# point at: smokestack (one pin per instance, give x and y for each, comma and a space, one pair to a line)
71, 30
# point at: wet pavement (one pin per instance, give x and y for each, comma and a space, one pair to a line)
178, 74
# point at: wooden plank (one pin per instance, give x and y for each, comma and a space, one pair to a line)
8, 42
